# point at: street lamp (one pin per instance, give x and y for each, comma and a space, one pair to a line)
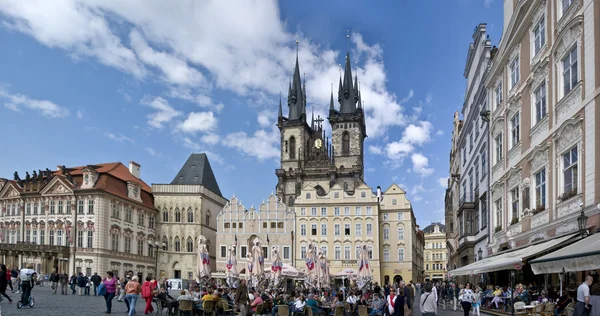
582, 222
479, 254
293, 249
156, 245
512, 291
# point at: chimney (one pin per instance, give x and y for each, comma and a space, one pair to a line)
379, 195
134, 169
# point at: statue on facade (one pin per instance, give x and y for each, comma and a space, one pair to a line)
34, 176
16, 176
27, 177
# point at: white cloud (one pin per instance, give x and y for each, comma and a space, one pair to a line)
164, 112
414, 135
375, 150
16, 102
421, 164
79, 114
210, 139
398, 150
119, 138
190, 144
199, 46
443, 181
263, 144
153, 152
198, 122
439, 132
263, 119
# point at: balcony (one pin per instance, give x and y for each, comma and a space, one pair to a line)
468, 202
24, 247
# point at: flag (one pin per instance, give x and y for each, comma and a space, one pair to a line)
268, 239
236, 240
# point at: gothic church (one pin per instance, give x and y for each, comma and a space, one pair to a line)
308, 156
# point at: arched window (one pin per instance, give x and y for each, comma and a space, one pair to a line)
166, 242
177, 244
177, 216
207, 217
190, 245
345, 143
165, 216
394, 201
190, 218
401, 233
292, 147
291, 201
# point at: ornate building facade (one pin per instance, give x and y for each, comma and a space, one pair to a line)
543, 91
86, 219
188, 208
272, 222
400, 245
451, 200
436, 255
473, 142
338, 223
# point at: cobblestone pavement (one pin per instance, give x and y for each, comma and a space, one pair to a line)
47, 304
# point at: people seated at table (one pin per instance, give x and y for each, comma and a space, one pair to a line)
299, 304
338, 301
184, 296
312, 303
166, 300
497, 294
279, 300
256, 301
377, 305
543, 298
563, 301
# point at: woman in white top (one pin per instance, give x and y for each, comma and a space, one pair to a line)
466, 295
391, 299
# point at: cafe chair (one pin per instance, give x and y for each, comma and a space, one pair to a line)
520, 308
549, 310
538, 310
283, 310
339, 311
362, 310
208, 308
225, 307
186, 307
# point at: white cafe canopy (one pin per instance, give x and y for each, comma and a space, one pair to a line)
346, 273
580, 256
288, 270
507, 260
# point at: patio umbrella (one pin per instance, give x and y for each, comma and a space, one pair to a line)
364, 270
259, 260
249, 265
347, 273
232, 272
203, 264
277, 266
323, 273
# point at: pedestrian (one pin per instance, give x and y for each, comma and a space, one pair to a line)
147, 294
476, 301
241, 297
96, 280
110, 284
582, 308
428, 304
88, 285
132, 290
401, 301
73, 282
27, 277
14, 278
54, 278
81, 282
466, 299
64, 284
4, 282
9, 281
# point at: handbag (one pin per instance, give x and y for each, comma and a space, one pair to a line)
407, 311
101, 289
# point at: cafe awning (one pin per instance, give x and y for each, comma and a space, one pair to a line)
580, 256
507, 260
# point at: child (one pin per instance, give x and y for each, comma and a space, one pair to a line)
476, 301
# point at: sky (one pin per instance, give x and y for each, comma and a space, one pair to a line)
89, 82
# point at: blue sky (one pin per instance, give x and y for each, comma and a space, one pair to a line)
84, 82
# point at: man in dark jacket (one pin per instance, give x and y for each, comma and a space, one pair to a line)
96, 280
54, 278
81, 282
241, 297
64, 283
73, 283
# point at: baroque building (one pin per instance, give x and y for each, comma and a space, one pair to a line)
338, 223
188, 209
436, 259
238, 227
473, 142
542, 88
400, 241
92, 218
451, 199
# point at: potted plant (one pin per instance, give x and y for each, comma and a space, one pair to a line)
498, 228
514, 220
539, 208
568, 194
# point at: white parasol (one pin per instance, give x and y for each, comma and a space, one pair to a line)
347, 273
323, 271
276, 267
203, 264
232, 272
365, 275
259, 259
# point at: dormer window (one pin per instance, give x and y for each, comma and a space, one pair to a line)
86, 179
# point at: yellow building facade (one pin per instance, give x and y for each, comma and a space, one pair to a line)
435, 252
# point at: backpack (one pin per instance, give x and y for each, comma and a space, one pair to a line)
101, 289
147, 290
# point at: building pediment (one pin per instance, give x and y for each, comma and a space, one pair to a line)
9, 191
134, 190
57, 186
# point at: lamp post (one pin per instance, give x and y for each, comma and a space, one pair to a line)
582, 222
512, 292
156, 245
293, 265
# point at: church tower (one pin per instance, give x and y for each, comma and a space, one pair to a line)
348, 131
308, 158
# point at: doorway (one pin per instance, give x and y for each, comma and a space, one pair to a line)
177, 274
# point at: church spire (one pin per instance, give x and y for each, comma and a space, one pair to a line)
280, 112
331, 107
296, 95
349, 98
